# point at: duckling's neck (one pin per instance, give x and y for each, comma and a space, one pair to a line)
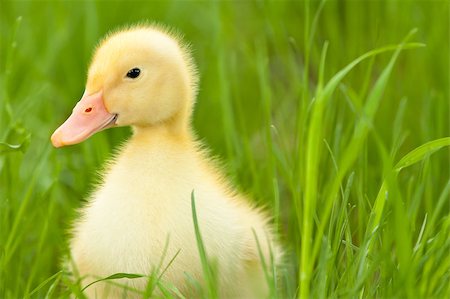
177, 127
162, 133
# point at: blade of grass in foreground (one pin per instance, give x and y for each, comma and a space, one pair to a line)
309, 201
208, 270
113, 277
313, 154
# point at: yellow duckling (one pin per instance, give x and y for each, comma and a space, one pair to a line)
145, 78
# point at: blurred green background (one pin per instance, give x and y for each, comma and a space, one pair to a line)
259, 68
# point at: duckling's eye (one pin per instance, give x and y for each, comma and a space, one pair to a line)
133, 73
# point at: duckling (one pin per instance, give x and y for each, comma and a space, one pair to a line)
140, 214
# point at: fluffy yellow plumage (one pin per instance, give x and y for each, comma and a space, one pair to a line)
144, 197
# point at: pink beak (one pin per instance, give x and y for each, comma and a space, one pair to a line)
88, 117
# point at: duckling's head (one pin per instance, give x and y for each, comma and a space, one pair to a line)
141, 77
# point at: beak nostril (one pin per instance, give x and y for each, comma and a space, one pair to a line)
87, 110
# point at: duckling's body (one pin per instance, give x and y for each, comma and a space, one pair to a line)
130, 218
144, 204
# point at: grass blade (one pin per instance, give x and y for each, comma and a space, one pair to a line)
113, 277
208, 271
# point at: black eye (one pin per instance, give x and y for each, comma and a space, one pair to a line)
133, 73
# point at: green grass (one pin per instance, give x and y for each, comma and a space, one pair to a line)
350, 155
